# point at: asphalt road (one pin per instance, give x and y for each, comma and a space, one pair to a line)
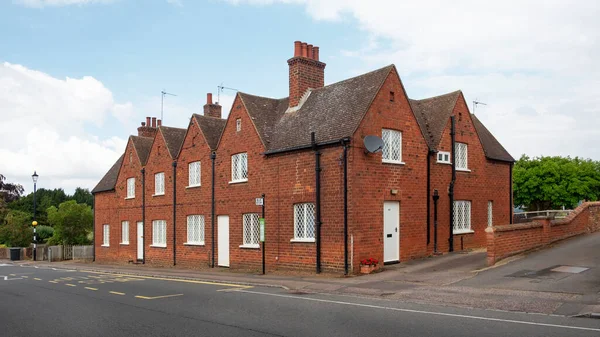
48, 302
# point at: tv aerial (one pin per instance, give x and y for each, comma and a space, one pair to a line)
476, 103
373, 144
162, 99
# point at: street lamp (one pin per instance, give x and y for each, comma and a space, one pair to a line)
34, 177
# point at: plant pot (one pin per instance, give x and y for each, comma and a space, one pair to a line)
367, 269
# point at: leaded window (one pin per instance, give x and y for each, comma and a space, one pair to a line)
392, 146
194, 174
251, 229
159, 183
159, 233
239, 167
461, 156
125, 232
195, 229
462, 217
304, 221
131, 188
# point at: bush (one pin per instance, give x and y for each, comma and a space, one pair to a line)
44, 233
17, 230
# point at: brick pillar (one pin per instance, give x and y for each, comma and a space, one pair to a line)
547, 230
491, 245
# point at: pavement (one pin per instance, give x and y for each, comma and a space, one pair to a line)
44, 300
538, 282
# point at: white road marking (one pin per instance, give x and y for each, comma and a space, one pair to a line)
423, 311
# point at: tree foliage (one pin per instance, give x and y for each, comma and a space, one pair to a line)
72, 222
9, 191
553, 182
83, 196
16, 230
45, 199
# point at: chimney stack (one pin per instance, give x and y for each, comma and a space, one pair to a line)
147, 129
158, 122
210, 109
306, 71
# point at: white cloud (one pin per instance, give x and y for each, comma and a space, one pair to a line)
533, 62
59, 3
44, 121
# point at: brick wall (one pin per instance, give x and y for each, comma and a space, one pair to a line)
507, 240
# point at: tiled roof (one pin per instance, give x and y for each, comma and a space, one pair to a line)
142, 147
432, 115
173, 138
211, 128
491, 146
333, 112
108, 182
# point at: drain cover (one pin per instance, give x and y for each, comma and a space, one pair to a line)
570, 269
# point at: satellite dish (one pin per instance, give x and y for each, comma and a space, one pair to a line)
373, 144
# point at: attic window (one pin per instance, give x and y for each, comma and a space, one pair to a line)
391, 96
238, 125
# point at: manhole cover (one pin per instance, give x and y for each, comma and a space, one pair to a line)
570, 269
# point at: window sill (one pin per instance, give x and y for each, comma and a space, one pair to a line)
253, 246
105, 246
192, 186
303, 240
444, 162
463, 232
129, 198
393, 162
238, 181
158, 246
124, 243
158, 195
462, 170
193, 244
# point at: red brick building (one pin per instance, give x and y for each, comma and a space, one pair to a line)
328, 201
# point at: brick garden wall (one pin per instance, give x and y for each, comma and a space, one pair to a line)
507, 240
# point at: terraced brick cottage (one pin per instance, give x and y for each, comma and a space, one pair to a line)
187, 197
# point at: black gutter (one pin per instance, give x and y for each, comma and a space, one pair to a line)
174, 213
213, 156
451, 188
143, 216
345, 159
318, 199
94, 228
510, 197
308, 146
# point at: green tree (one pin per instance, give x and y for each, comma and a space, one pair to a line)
45, 199
44, 233
16, 230
553, 182
72, 222
83, 196
9, 191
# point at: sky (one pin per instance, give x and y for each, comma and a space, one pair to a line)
78, 76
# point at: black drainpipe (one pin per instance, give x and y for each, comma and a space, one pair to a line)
94, 228
429, 153
144, 215
451, 188
345, 207
213, 156
510, 197
174, 213
318, 198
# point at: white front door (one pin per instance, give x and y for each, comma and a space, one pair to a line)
391, 231
223, 242
140, 240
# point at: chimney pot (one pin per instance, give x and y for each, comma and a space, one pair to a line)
315, 53
153, 122
297, 48
310, 51
158, 122
148, 121
143, 123
304, 49
209, 98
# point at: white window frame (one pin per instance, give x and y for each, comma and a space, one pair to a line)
490, 214
387, 156
466, 206
130, 188
194, 180
443, 157
106, 235
159, 233
159, 184
237, 168
250, 230
124, 232
458, 157
195, 223
238, 125
305, 213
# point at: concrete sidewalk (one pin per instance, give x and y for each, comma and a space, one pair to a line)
457, 279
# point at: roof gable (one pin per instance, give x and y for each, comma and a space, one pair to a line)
109, 181
173, 138
142, 146
211, 128
332, 112
432, 115
491, 146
